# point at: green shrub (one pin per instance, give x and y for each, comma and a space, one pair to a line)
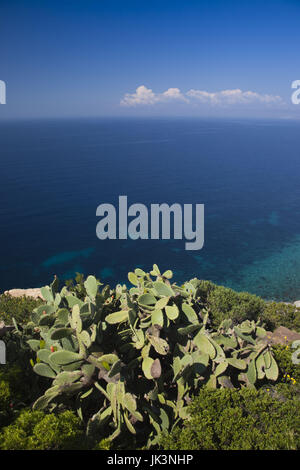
281, 314
19, 308
11, 387
204, 289
34, 430
18, 388
239, 306
289, 372
15, 377
5, 397
24, 385
224, 302
4, 394
238, 420
104, 444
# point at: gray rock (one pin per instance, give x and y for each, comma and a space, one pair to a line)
281, 335
34, 293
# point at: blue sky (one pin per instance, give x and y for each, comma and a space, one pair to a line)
87, 58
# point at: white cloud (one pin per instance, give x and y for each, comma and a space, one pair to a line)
173, 94
236, 96
145, 96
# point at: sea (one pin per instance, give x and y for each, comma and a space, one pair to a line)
56, 172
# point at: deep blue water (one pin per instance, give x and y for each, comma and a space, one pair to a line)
54, 174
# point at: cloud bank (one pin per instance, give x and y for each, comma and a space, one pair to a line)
145, 96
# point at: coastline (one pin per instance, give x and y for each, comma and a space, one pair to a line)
35, 293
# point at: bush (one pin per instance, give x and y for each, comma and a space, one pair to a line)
204, 289
238, 420
223, 302
281, 314
19, 308
239, 306
11, 388
24, 385
18, 389
104, 444
34, 430
5, 397
289, 372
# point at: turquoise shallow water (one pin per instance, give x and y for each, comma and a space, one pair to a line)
56, 173
276, 275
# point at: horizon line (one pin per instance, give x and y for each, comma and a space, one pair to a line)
147, 117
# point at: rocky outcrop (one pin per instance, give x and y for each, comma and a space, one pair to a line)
281, 335
34, 293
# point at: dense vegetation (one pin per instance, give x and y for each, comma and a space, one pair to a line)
153, 365
35, 430
239, 420
19, 308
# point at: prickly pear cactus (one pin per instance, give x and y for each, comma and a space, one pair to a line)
140, 353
